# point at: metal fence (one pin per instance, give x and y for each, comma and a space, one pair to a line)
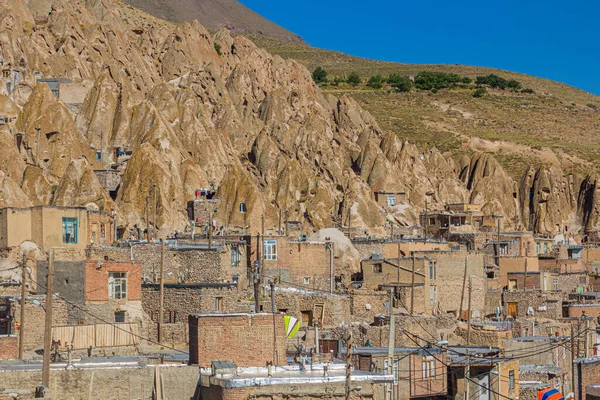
97, 335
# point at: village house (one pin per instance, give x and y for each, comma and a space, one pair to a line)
487, 370
534, 280
455, 219
243, 355
102, 291
418, 372
389, 199
53, 226
587, 375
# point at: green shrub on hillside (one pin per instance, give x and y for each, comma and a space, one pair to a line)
528, 90
592, 106
319, 75
353, 79
497, 82
218, 48
375, 82
399, 82
429, 80
480, 92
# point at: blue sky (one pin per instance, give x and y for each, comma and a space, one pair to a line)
551, 39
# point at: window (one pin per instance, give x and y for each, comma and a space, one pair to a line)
432, 294
270, 249
391, 200
307, 281
555, 284
538, 248
428, 367
378, 268
582, 280
503, 248
511, 380
117, 285
218, 304
119, 316
432, 221
69, 230
235, 256
102, 231
432, 270
545, 248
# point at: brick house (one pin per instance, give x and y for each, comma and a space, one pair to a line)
246, 339
536, 280
389, 199
110, 291
418, 372
587, 373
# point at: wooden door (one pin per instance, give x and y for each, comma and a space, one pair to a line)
329, 346
513, 310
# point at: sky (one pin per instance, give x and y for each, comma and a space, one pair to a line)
552, 39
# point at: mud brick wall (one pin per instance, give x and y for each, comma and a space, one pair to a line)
9, 347
365, 304
336, 307
35, 319
535, 299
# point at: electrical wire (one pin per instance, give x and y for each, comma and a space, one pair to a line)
108, 322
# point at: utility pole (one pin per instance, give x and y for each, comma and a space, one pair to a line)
392, 233
462, 296
262, 224
154, 232
210, 230
257, 265
468, 350
573, 358
279, 224
526, 266
498, 248
287, 217
48, 323
426, 220
398, 275
161, 300
148, 217
22, 322
37, 153
412, 286
391, 343
330, 245
348, 340
274, 311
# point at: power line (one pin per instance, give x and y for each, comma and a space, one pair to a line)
107, 322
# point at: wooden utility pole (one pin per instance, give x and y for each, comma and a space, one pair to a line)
210, 230
279, 224
262, 224
331, 249
287, 217
525, 275
161, 300
48, 324
462, 296
274, 311
412, 286
154, 232
468, 350
398, 275
37, 153
148, 217
257, 265
573, 356
392, 233
348, 340
391, 343
22, 322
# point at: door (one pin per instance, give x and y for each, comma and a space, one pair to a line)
513, 310
484, 387
329, 346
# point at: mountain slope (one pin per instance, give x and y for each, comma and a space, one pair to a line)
215, 14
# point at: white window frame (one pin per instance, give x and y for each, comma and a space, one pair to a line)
117, 285
428, 367
432, 294
270, 250
235, 256
306, 281
391, 200
555, 284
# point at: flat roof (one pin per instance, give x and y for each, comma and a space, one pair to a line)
290, 375
238, 314
405, 350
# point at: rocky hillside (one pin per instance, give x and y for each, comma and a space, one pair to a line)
215, 14
252, 124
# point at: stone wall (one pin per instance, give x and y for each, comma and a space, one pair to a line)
336, 308
35, 318
9, 347
569, 282
180, 382
483, 337
365, 304
545, 304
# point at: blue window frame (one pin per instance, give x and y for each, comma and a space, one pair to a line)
70, 229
